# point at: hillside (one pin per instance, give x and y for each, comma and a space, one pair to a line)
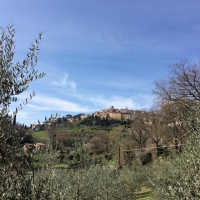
103, 136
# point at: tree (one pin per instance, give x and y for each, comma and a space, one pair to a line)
179, 177
176, 124
182, 84
155, 128
139, 134
15, 77
179, 96
14, 80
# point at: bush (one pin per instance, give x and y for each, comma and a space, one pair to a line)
92, 183
146, 158
179, 177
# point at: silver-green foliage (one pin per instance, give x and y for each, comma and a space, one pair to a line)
179, 178
92, 183
15, 77
16, 169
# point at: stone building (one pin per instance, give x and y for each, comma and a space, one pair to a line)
113, 113
32, 126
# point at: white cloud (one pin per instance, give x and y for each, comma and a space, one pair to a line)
42, 105
57, 104
140, 102
116, 101
63, 82
22, 115
37, 107
144, 100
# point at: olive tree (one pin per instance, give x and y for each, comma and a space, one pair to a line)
179, 177
15, 78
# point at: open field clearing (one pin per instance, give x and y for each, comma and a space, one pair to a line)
40, 135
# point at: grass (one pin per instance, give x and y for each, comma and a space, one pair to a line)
60, 166
144, 194
40, 135
84, 128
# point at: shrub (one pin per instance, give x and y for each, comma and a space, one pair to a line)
178, 178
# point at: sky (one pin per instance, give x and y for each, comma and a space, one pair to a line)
100, 53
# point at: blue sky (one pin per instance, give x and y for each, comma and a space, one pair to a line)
98, 53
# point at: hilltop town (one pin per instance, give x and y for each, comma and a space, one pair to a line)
123, 114
120, 114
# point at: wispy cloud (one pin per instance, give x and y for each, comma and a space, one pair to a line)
21, 114
55, 104
64, 82
139, 102
144, 100
117, 101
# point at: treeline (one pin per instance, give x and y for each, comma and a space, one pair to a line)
105, 122
70, 121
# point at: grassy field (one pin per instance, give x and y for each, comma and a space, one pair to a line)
40, 135
89, 129
77, 129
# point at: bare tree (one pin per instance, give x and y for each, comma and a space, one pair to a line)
179, 98
155, 128
182, 85
176, 126
139, 132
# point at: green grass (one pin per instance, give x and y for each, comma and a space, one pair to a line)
40, 135
60, 166
83, 128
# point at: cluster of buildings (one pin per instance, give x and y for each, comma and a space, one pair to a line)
47, 123
119, 114
113, 113
122, 114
